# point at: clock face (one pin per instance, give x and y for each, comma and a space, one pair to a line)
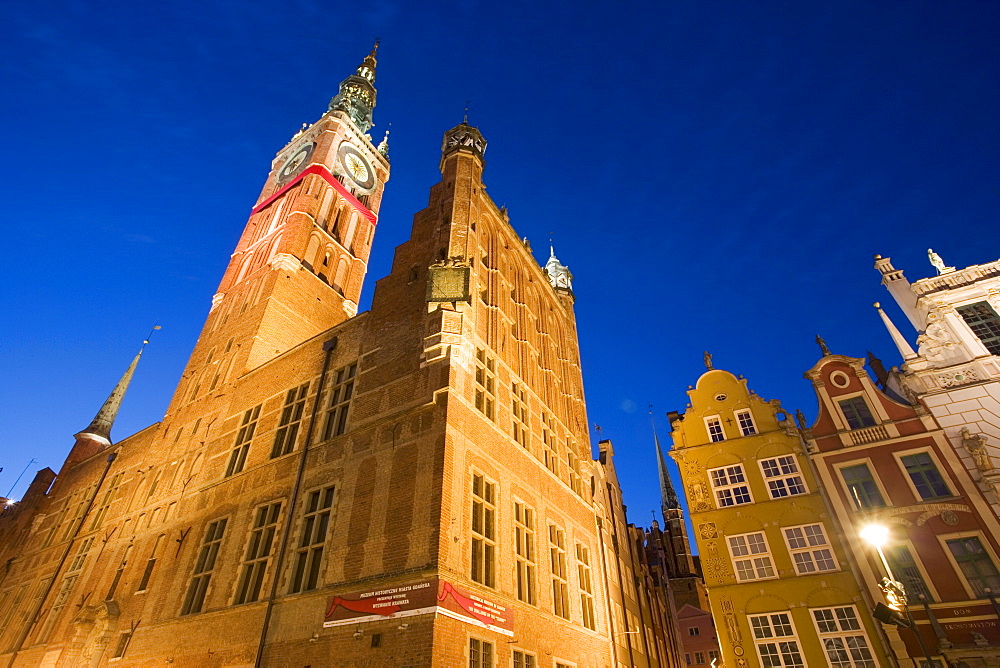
296, 162
356, 166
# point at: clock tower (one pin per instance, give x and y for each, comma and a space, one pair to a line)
300, 264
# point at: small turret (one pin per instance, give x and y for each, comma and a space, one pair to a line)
558, 273
899, 288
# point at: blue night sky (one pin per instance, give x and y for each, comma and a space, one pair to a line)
717, 175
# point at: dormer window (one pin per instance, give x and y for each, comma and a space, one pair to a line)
984, 323
714, 426
745, 420
857, 413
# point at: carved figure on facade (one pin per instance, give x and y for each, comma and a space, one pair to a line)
935, 342
975, 444
938, 263
698, 495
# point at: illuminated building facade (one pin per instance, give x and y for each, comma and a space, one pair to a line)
411, 485
779, 579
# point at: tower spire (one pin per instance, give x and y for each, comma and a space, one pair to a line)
100, 427
904, 347
356, 97
668, 497
558, 273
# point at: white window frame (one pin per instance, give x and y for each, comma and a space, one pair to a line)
844, 636
708, 429
751, 557
943, 540
748, 414
811, 549
782, 480
729, 486
943, 472
773, 639
886, 499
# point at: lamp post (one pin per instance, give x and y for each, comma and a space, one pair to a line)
896, 611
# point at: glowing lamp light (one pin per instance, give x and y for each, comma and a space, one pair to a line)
876, 534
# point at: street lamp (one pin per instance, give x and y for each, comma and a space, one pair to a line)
896, 611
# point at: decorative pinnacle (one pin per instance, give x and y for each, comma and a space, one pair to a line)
822, 346
101, 425
383, 146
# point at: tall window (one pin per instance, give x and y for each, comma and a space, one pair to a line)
291, 418
524, 660
745, 419
524, 552
484, 519
573, 470
339, 404
730, 485
308, 556
238, 457
203, 567
984, 323
557, 559
861, 487
925, 476
714, 426
905, 567
782, 476
586, 586
775, 640
150, 564
480, 653
809, 549
519, 413
843, 637
66, 587
977, 567
118, 573
751, 557
485, 383
856, 412
258, 553
549, 446
109, 495
123, 640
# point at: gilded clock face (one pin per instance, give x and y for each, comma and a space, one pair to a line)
356, 166
296, 162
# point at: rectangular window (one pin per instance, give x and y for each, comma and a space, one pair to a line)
557, 560
150, 563
109, 496
775, 640
339, 404
573, 470
480, 653
751, 557
861, 487
485, 383
730, 485
484, 519
809, 549
699, 658
713, 655
694, 631
984, 323
524, 549
308, 556
843, 637
782, 476
524, 660
925, 476
123, 641
745, 420
203, 567
586, 586
977, 567
519, 414
291, 418
856, 412
549, 446
238, 457
118, 574
905, 568
258, 553
714, 426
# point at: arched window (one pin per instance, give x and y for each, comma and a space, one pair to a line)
340, 278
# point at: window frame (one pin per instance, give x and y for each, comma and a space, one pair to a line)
747, 413
340, 396
782, 478
928, 583
717, 419
987, 548
935, 461
867, 463
841, 633
286, 435
750, 556
559, 571
484, 542
482, 654
774, 639
525, 553
256, 563
212, 537
994, 341
716, 489
585, 584
245, 433
847, 420
307, 558
810, 549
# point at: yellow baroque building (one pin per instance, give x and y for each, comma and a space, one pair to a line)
781, 588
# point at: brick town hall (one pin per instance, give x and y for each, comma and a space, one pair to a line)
410, 486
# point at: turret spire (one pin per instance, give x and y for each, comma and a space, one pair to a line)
100, 427
558, 273
668, 497
357, 93
904, 347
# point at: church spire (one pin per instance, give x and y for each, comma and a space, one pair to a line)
668, 497
99, 428
357, 93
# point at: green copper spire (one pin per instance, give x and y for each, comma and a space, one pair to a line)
357, 93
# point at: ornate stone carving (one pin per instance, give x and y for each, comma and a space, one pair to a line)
698, 496
935, 342
957, 377
708, 530
976, 445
